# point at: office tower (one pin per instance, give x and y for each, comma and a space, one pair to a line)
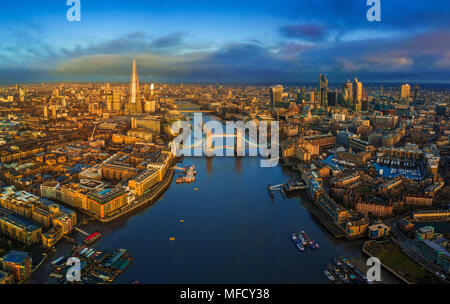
152, 88
347, 95
135, 106
91, 108
146, 90
382, 90
323, 90
405, 91
45, 112
333, 98
416, 92
312, 96
53, 108
276, 95
21, 95
441, 109
358, 105
357, 90
116, 101
109, 101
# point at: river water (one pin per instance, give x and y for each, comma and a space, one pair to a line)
233, 231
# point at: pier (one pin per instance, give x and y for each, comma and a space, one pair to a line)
324, 219
81, 231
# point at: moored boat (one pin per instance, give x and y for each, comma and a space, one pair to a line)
302, 239
297, 242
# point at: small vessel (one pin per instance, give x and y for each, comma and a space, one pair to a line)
329, 276
337, 262
344, 279
180, 179
306, 237
92, 238
58, 260
302, 239
297, 242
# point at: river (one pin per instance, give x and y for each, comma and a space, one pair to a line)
232, 231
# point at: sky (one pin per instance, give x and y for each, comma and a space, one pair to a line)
228, 41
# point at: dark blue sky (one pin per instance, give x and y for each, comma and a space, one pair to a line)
227, 41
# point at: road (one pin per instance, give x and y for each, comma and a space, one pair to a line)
411, 250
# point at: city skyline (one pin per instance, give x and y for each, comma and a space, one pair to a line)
228, 43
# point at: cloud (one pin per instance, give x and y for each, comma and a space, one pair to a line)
304, 31
129, 43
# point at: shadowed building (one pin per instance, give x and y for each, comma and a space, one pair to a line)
323, 90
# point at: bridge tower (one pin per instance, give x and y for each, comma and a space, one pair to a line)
209, 151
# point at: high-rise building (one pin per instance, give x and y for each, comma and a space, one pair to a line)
416, 92
357, 90
347, 95
45, 112
405, 91
53, 108
333, 98
109, 101
441, 109
312, 96
21, 95
116, 101
134, 104
323, 90
276, 95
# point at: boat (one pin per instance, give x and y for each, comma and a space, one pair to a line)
56, 275
314, 245
329, 276
180, 179
92, 238
344, 279
297, 242
302, 239
337, 262
306, 237
58, 260
308, 240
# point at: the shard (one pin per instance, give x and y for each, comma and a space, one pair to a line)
135, 106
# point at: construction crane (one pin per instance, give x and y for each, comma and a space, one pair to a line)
93, 132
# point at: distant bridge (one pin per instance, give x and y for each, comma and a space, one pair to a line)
195, 111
